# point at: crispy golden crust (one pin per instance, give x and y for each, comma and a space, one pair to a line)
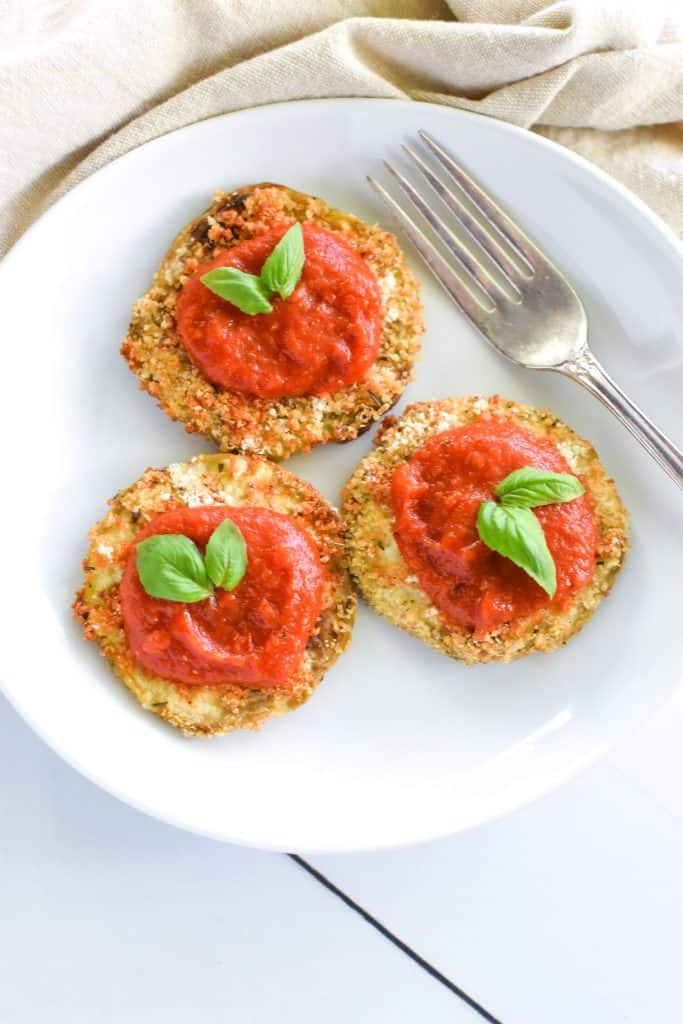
384, 578
276, 428
214, 479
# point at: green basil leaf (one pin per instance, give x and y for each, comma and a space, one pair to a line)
517, 534
245, 291
282, 269
226, 555
171, 566
529, 487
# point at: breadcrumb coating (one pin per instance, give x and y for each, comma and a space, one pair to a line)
385, 580
274, 427
214, 480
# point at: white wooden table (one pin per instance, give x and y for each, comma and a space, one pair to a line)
568, 912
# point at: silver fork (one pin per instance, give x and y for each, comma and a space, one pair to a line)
538, 321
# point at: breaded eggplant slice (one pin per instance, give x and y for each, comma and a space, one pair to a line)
214, 480
263, 426
385, 580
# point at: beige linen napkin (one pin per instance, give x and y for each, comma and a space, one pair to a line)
83, 81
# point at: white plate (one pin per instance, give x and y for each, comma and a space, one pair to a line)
399, 744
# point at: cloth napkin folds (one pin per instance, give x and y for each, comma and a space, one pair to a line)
84, 81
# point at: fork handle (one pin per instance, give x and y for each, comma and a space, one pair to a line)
587, 371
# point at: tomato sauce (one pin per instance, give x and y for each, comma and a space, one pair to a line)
435, 497
324, 337
252, 636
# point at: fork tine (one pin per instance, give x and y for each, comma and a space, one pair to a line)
444, 274
476, 231
453, 244
492, 213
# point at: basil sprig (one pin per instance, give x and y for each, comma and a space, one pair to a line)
171, 566
511, 528
517, 534
226, 556
280, 273
238, 288
529, 487
282, 269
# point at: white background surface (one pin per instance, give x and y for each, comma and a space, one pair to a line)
569, 911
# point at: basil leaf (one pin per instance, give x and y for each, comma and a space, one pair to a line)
226, 555
517, 534
242, 290
530, 487
171, 566
282, 269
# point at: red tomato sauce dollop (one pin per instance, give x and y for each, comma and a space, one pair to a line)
253, 636
435, 497
325, 336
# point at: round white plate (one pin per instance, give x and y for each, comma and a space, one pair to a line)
399, 744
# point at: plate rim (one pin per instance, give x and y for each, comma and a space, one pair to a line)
506, 126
